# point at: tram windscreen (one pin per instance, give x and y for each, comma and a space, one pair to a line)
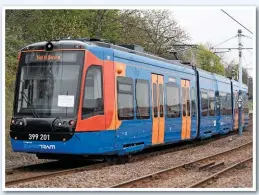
48, 83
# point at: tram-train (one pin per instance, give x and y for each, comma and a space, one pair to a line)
86, 97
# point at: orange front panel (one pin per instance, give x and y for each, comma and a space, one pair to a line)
155, 124
188, 114
184, 118
98, 122
161, 129
109, 94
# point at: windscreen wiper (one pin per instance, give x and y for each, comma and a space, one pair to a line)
30, 104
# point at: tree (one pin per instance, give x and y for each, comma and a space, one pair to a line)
155, 30
203, 58
234, 66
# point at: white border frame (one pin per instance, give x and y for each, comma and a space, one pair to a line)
186, 7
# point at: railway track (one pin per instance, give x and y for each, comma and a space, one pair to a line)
56, 173
29, 169
26, 172
215, 175
140, 181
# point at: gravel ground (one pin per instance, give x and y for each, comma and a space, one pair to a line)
13, 160
181, 178
235, 178
112, 175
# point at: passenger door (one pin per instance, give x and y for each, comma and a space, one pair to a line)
186, 109
158, 119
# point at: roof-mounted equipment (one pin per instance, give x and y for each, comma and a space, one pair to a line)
133, 47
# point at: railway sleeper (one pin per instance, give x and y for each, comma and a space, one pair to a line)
219, 164
204, 166
189, 166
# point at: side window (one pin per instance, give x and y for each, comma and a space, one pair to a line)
142, 99
236, 104
247, 106
93, 93
204, 102
161, 100
229, 107
172, 101
223, 104
193, 97
217, 103
125, 98
188, 101
183, 100
211, 103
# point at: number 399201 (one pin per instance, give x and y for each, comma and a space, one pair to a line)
36, 136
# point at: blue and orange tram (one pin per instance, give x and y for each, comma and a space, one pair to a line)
85, 97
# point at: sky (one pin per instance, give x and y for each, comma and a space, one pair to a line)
212, 26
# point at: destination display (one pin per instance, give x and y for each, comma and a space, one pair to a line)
64, 56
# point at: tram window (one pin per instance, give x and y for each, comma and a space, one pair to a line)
223, 101
245, 99
125, 98
155, 100
229, 107
247, 104
227, 102
93, 93
244, 104
184, 100
142, 99
235, 101
193, 96
172, 101
204, 102
188, 101
161, 100
211, 103
217, 103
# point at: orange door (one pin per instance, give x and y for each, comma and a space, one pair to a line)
157, 109
161, 130
186, 109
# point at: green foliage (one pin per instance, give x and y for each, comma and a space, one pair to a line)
204, 59
209, 61
39, 25
228, 73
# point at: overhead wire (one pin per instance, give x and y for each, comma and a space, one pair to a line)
249, 51
249, 37
188, 45
224, 41
236, 21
